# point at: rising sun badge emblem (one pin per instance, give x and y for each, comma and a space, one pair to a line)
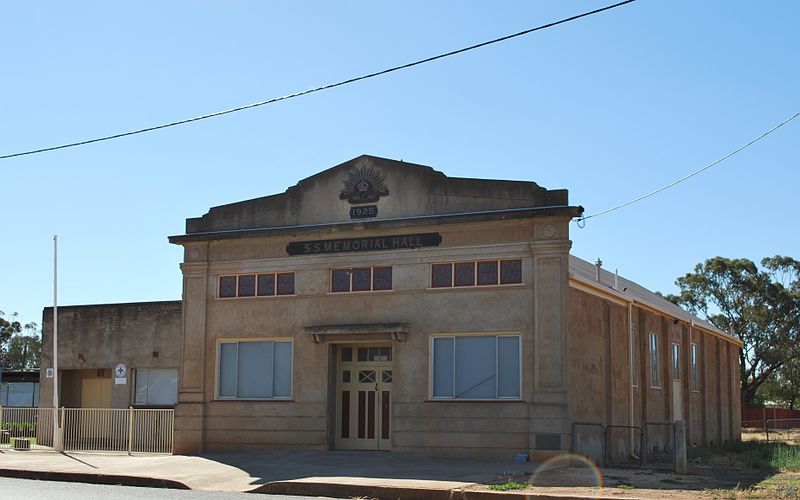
364, 184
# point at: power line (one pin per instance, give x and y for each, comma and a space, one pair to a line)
317, 89
685, 177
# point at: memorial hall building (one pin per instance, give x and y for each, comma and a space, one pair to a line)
382, 305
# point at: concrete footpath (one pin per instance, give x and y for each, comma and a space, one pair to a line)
326, 473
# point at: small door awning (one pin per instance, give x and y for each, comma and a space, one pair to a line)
359, 333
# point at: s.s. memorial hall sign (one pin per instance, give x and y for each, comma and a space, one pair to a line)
394, 242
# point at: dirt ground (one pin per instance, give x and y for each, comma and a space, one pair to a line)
721, 478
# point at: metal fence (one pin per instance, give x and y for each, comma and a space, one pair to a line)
658, 444
588, 439
650, 445
624, 445
26, 428
131, 431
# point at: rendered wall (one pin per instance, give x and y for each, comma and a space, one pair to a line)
600, 382
97, 337
496, 428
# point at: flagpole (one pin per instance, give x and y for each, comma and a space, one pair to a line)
56, 433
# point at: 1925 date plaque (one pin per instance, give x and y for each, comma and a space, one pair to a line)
364, 212
374, 243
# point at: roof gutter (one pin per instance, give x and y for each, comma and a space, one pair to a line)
622, 298
394, 222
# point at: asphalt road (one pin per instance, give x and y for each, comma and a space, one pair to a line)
29, 489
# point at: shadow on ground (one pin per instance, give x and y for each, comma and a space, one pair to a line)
736, 467
739, 465
284, 466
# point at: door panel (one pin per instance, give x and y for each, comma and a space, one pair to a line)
363, 405
96, 393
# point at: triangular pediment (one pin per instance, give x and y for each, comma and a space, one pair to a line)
374, 188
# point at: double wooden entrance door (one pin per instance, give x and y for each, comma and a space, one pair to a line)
363, 397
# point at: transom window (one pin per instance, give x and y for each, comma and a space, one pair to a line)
255, 370
476, 273
256, 285
476, 367
361, 279
374, 353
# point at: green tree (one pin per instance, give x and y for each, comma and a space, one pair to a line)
8, 328
20, 345
783, 387
24, 351
761, 306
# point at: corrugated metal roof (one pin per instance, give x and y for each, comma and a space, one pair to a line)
632, 291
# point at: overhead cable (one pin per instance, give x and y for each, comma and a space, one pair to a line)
317, 89
685, 177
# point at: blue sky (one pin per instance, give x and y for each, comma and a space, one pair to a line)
608, 107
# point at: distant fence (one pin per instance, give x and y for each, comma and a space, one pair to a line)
751, 415
772, 429
131, 431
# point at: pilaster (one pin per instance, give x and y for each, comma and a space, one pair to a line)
549, 415
189, 412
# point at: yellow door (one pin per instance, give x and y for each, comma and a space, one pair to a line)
363, 397
96, 393
94, 425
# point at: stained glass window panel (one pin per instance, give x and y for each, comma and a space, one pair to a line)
441, 275
340, 280
227, 286
247, 285
362, 279
510, 271
266, 284
487, 272
465, 274
286, 284
382, 278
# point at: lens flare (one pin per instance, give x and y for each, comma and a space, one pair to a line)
581, 471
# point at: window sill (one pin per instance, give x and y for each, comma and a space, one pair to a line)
476, 287
360, 292
453, 400
252, 400
256, 297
